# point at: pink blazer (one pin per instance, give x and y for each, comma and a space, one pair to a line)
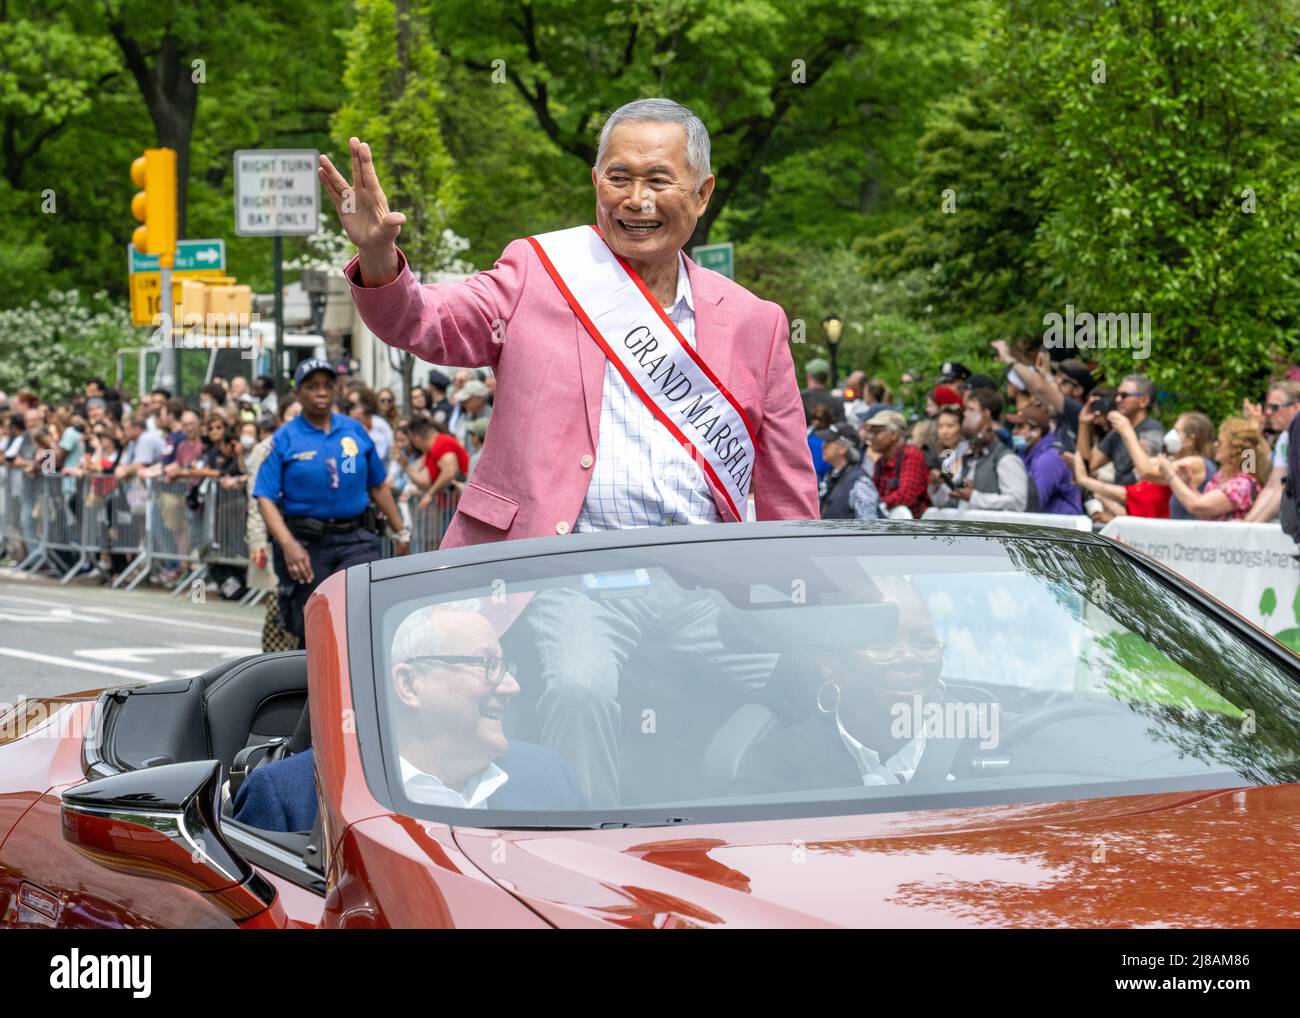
532, 476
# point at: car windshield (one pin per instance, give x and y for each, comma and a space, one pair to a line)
795, 676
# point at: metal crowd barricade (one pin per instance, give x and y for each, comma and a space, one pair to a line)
429, 526
226, 525
31, 508
127, 519
24, 519
96, 515
177, 529
5, 513
59, 502
66, 525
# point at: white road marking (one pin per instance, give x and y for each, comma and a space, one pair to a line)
69, 662
145, 655
168, 617
48, 615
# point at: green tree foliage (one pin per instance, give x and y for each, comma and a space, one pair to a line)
51, 73
513, 180
809, 102
393, 99
968, 242
889, 329
1116, 156
1119, 158
1144, 177
74, 113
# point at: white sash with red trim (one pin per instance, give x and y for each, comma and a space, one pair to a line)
646, 348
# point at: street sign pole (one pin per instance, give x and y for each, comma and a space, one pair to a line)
170, 379
281, 382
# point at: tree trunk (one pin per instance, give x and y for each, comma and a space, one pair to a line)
171, 96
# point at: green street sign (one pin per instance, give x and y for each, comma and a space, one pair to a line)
191, 255
718, 257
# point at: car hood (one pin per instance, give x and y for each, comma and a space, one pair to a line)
1217, 858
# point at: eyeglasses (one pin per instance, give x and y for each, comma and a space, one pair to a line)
495, 669
1127, 395
888, 653
1271, 407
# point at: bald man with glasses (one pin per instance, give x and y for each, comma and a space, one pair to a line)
450, 688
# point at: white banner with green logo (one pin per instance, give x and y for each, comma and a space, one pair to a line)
1248, 566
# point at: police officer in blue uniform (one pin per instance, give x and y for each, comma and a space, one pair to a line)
313, 490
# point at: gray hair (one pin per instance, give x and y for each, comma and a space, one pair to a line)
418, 635
1288, 388
1145, 386
663, 111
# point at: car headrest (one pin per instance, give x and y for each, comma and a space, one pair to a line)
251, 692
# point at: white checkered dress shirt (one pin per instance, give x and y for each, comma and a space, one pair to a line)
643, 477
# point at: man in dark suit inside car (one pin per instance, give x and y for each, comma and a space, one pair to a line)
864, 727
451, 688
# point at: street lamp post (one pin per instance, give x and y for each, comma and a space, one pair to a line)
833, 327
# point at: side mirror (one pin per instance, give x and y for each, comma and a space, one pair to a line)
164, 823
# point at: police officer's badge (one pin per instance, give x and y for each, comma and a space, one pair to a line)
349, 445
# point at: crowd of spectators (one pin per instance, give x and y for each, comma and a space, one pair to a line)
1048, 437
218, 439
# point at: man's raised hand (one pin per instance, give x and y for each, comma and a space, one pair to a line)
363, 210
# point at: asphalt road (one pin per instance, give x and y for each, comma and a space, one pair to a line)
84, 636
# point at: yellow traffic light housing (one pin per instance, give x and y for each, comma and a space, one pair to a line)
155, 204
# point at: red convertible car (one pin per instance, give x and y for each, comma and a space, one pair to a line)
751, 725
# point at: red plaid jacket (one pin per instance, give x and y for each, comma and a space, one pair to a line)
901, 479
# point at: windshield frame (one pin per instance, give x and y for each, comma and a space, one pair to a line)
367, 599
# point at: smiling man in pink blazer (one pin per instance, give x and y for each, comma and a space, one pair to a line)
634, 388
571, 446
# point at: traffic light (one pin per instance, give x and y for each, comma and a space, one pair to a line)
155, 205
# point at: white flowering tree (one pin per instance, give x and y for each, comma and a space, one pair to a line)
51, 346
327, 250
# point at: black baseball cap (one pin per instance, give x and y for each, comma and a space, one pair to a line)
980, 382
310, 366
1079, 373
841, 431
951, 371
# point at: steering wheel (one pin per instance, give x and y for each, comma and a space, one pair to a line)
1036, 719
1050, 714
